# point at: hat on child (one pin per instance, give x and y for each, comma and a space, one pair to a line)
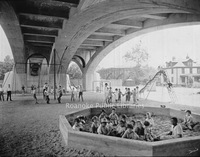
104, 120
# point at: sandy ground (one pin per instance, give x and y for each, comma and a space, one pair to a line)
29, 129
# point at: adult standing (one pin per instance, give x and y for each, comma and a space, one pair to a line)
9, 93
80, 95
1, 93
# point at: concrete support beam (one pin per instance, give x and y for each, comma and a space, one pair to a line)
39, 39
88, 47
39, 31
129, 23
154, 16
42, 44
42, 22
47, 8
92, 43
109, 32
71, 3
100, 38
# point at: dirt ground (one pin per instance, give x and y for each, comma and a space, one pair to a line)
29, 129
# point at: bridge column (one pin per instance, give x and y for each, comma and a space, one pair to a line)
61, 79
88, 79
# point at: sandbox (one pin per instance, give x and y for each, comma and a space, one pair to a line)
186, 146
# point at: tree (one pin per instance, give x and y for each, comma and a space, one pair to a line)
138, 54
6, 66
74, 71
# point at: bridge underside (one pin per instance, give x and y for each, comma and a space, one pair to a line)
85, 31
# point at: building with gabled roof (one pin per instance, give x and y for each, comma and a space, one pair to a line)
183, 72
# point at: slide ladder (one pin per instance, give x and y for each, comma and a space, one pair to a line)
166, 79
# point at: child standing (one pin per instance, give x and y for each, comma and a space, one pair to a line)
116, 95
34, 95
119, 96
72, 95
59, 94
134, 96
46, 93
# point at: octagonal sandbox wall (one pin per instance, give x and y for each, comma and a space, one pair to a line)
186, 146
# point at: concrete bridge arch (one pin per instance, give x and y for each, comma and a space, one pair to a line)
174, 20
85, 23
80, 26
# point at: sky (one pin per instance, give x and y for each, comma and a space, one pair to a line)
161, 45
4, 45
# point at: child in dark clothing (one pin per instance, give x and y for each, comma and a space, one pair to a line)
94, 125
139, 130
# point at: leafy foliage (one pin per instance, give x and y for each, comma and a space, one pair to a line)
74, 71
139, 73
138, 54
6, 66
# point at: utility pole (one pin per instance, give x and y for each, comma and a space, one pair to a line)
54, 74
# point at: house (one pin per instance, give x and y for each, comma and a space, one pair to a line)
183, 73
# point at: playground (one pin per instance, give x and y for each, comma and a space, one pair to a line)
33, 130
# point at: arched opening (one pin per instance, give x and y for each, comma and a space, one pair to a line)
7, 68
75, 74
37, 71
165, 45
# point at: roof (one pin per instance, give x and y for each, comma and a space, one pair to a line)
179, 64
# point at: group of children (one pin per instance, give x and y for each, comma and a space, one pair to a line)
46, 93
117, 94
77, 93
121, 126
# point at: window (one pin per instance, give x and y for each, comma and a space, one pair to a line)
183, 79
172, 70
190, 64
183, 70
198, 70
190, 70
172, 79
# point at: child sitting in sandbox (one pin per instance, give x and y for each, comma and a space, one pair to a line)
95, 124
188, 122
102, 129
119, 130
102, 114
149, 119
175, 132
148, 135
130, 133
114, 117
139, 129
77, 126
